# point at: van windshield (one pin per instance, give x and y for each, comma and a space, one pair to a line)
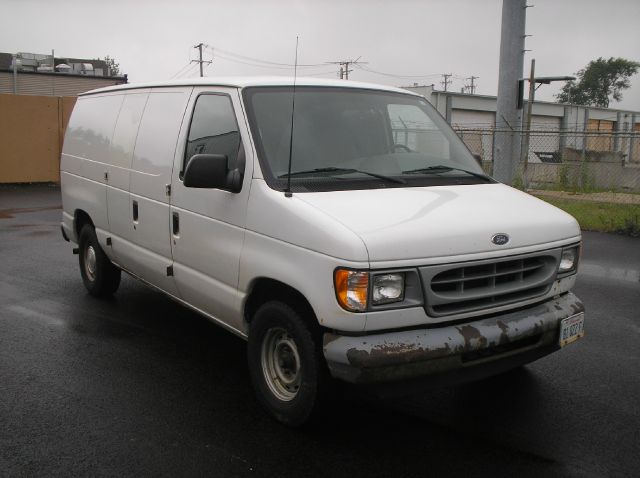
347, 138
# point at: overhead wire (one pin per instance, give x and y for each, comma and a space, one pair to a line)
369, 70
228, 53
258, 65
186, 67
230, 56
189, 71
322, 73
310, 71
181, 70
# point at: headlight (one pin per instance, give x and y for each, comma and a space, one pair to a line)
352, 289
569, 260
387, 288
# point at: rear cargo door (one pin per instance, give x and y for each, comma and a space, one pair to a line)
119, 173
149, 256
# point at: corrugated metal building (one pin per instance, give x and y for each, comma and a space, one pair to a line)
475, 116
53, 84
35, 75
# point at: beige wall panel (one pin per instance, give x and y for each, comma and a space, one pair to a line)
602, 142
31, 132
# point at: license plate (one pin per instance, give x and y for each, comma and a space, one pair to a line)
571, 329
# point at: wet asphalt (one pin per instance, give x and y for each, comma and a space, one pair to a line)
140, 386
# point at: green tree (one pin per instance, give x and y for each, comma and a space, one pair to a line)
113, 66
599, 81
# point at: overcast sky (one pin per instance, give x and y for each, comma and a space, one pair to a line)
153, 40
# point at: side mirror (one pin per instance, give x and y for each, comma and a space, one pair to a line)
234, 180
206, 171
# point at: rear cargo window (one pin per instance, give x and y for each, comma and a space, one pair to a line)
91, 127
156, 141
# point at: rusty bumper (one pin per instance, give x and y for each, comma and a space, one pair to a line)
491, 344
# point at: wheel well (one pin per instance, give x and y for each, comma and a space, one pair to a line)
265, 289
80, 219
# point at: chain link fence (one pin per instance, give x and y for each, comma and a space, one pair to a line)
589, 165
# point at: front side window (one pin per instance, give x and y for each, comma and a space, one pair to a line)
347, 138
213, 129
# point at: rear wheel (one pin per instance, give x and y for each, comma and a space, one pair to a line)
286, 364
100, 276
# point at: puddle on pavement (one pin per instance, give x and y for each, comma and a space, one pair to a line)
616, 273
10, 213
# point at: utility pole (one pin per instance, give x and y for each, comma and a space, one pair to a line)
445, 80
200, 60
472, 87
15, 74
527, 133
347, 70
506, 145
344, 66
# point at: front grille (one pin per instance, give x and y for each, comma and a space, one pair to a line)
460, 288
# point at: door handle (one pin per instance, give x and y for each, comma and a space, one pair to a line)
135, 211
176, 224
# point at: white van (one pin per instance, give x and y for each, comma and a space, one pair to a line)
354, 239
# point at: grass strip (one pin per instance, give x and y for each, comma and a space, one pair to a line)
601, 216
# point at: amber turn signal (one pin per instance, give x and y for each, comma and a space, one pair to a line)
352, 289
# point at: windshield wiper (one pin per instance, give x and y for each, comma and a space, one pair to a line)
441, 168
342, 171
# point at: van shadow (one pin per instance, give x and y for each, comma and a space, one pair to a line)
181, 386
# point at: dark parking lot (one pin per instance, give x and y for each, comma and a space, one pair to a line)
139, 386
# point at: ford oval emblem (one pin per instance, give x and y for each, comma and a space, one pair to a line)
500, 239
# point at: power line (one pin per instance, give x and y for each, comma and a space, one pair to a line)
343, 73
369, 70
258, 65
309, 72
181, 70
258, 60
322, 73
192, 67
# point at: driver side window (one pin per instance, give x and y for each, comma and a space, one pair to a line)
213, 129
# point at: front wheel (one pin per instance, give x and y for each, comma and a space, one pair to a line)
286, 364
100, 276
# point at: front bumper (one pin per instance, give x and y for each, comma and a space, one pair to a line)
460, 352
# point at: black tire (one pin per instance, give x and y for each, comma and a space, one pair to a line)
275, 326
100, 276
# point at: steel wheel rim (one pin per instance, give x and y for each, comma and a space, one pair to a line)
281, 364
90, 263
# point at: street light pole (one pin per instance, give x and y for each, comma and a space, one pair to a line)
533, 81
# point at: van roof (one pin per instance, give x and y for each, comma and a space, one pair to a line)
243, 82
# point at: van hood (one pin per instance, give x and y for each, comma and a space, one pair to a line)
417, 223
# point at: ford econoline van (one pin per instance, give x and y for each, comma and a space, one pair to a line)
342, 228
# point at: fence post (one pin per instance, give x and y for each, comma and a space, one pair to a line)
585, 129
617, 132
632, 137
564, 127
585, 138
